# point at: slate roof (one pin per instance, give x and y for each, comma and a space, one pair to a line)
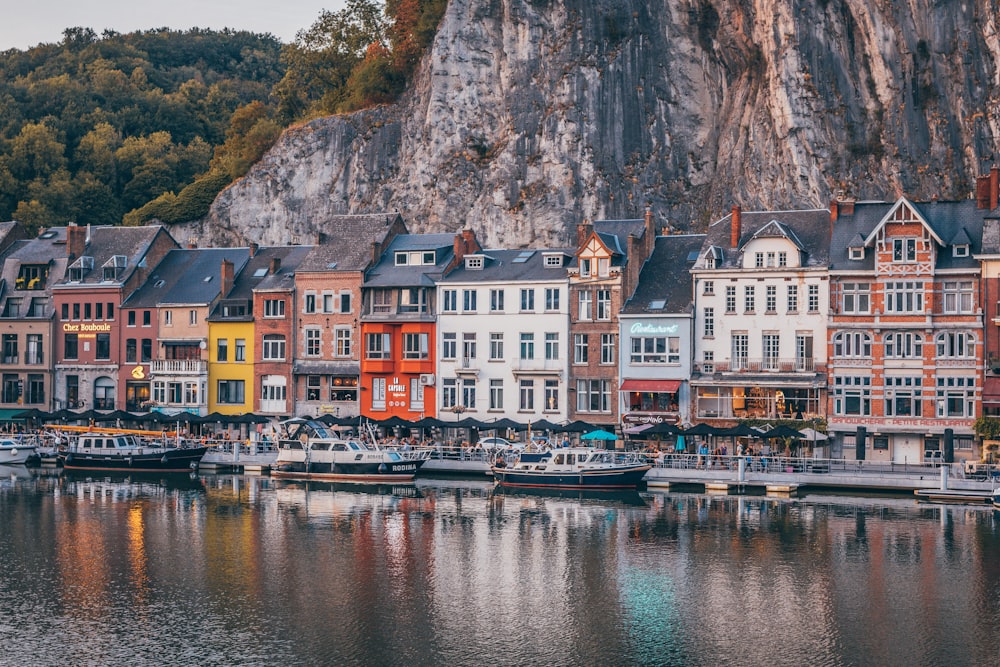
107, 241
386, 274
499, 266
255, 275
666, 277
48, 251
290, 258
347, 242
947, 219
186, 276
614, 234
809, 229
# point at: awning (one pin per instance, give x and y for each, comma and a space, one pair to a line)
991, 390
8, 415
663, 386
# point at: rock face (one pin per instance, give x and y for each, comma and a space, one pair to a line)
530, 116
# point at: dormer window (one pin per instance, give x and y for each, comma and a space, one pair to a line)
553, 261
32, 276
417, 258
114, 267
474, 262
904, 250
80, 268
960, 251
584, 268
856, 254
603, 267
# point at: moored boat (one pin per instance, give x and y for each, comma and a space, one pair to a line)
14, 452
319, 453
124, 452
995, 498
573, 468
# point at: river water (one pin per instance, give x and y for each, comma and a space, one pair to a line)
234, 570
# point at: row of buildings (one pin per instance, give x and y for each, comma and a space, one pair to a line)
879, 317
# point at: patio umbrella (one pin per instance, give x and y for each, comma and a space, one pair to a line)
782, 432
250, 418
393, 422
428, 422
114, 416
544, 425
637, 430
662, 429
505, 424
701, 429
599, 434
33, 413
469, 422
812, 434
576, 427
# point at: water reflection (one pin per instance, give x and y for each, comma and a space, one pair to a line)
248, 570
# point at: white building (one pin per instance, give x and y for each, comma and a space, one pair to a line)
762, 294
502, 336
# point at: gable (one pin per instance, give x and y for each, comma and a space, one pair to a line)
903, 219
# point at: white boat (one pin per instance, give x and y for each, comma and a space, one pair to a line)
995, 498
573, 468
13, 451
319, 453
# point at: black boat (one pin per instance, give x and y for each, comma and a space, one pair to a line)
121, 452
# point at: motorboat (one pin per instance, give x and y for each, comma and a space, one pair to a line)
995, 498
14, 451
126, 452
316, 452
572, 468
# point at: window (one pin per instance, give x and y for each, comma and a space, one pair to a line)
474, 262
771, 299
146, 318
904, 250
468, 346
580, 348
35, 353
146, 350
449, 393
608, 349
414, 300
812, 296
415, 346
527, 395
168, 318
771, 346
649, 350
449, 346
70, 346
312, 342
313, 388
273, 347
749, 298
104, 393
603, 267
36, 389
730, 299
902, 396
604, 304
740, 351
758, 260
527, 346
192, 317
956, 344
73, 390
310, 304
222, 350
856, 253
958, 296
708, 361
496, 300
552, 298
496, 346
378, 346
469, 300
10, 348
496, 394
782, 259
327, 303
274, 307
551, 346
593, 396
904, 297
527, 300
852, 344
856, 298
551, 395
903, 345
852, 396
87, 311
191, 393
956, 397
99, 311
382, 301
709, 330
378, 393
343, 339
241, 350
449, 301
130, 318
131, 351
792, 299
103, 347
584, 303
416, 395
469, 393
584, 268
709, 287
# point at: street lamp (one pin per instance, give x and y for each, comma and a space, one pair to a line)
458, 410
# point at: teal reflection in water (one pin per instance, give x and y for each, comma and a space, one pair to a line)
233, 570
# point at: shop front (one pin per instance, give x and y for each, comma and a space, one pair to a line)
758, 400
650, 401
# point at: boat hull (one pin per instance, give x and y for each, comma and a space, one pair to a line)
616, 478
170, 460
16, 455
365, 471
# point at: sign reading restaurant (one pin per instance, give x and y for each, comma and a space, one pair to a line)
895, 421
650, 329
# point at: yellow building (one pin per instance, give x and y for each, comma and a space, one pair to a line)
230, 365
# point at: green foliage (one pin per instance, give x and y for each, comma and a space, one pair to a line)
987, 428
192, 203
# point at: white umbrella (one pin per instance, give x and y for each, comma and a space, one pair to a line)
812, 434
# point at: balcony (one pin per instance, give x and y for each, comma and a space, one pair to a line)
178, 367
766, 365
537, 367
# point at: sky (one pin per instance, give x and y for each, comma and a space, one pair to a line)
43, 21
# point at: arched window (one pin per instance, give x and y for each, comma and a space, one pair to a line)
956, 344
904, 345
104, 393
274, 347
852, 344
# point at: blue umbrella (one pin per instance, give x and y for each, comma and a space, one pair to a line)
680, 446
599, 434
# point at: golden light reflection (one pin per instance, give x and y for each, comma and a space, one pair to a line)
138, 561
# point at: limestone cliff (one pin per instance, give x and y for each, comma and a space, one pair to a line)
529, 116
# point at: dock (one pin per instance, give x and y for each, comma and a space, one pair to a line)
953, 496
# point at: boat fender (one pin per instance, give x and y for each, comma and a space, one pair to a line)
129, 461
382, 468
70, 457
13, 451
193, 465
164, 460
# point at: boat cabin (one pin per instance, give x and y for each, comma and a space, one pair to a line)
99, 441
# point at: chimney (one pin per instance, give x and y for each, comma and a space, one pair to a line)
227, 278
582, 232
76, 241
275, 265
994, 187
737, 228
834, 211
846, 207
375, 252
253, 249
192, 243
320, 238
